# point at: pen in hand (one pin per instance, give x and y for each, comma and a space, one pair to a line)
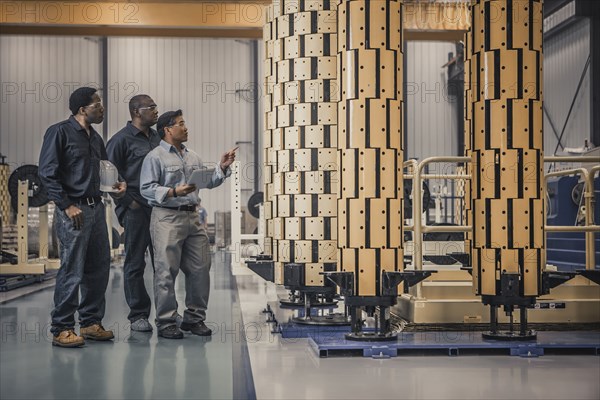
228, 158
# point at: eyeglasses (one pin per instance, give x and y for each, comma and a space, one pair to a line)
151, 108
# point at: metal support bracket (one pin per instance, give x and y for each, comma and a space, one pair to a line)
591, 274
345, 280
552, 279
263, 268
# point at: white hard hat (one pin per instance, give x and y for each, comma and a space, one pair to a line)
109, 175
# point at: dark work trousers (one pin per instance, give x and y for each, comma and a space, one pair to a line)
137, 240
85, 265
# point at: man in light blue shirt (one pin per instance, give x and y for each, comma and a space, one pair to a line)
178, 239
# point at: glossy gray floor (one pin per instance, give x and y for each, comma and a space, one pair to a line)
289, 369
133, 366
144, 366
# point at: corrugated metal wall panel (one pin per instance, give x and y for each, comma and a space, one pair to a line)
201, 77
262, 91
37, 75
565, 56
431, 122
431, 116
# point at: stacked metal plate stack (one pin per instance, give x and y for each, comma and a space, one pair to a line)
506, 129
370, 222
301, 142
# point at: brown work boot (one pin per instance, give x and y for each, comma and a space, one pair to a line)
68, 338
96, 332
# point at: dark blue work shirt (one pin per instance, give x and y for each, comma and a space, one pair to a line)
70, 162
126, 150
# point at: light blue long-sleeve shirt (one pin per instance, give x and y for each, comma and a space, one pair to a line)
165, 168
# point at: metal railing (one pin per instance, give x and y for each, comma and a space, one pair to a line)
415, 172
418, 227
588, 197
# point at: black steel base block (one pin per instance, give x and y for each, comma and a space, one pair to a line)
314, 290
508, 336
372, 336
332, 303
300, 303
323, 320
263, 268
500, 301
291, 303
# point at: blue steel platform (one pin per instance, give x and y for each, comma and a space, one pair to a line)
456, 343
294, 330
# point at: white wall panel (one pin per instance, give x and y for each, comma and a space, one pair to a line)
430, 112
262, 91
201, 77
432, 129
37, 75
565, 55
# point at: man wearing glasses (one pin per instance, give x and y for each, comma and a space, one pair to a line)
179, 241
69, 167
126, 150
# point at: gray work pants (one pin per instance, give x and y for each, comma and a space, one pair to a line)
179, 243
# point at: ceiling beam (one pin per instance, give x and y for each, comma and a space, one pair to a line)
130, 31
434, 36
218, 19
440, 21
241, 19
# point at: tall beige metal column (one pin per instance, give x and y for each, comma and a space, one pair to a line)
370, 205
370, 141
468, 150
505, 58
269, 153
301, 143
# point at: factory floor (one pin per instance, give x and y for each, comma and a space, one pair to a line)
264, 366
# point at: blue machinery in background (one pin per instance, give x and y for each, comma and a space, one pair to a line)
565, 207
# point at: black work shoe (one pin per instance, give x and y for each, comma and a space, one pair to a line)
170, 332
199, 328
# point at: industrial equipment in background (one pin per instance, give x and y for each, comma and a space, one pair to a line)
370, 263
489, 218
30, 251
21, 267
567, 205
300, 204
504, 138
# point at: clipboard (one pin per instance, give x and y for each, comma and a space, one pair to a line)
202, 177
